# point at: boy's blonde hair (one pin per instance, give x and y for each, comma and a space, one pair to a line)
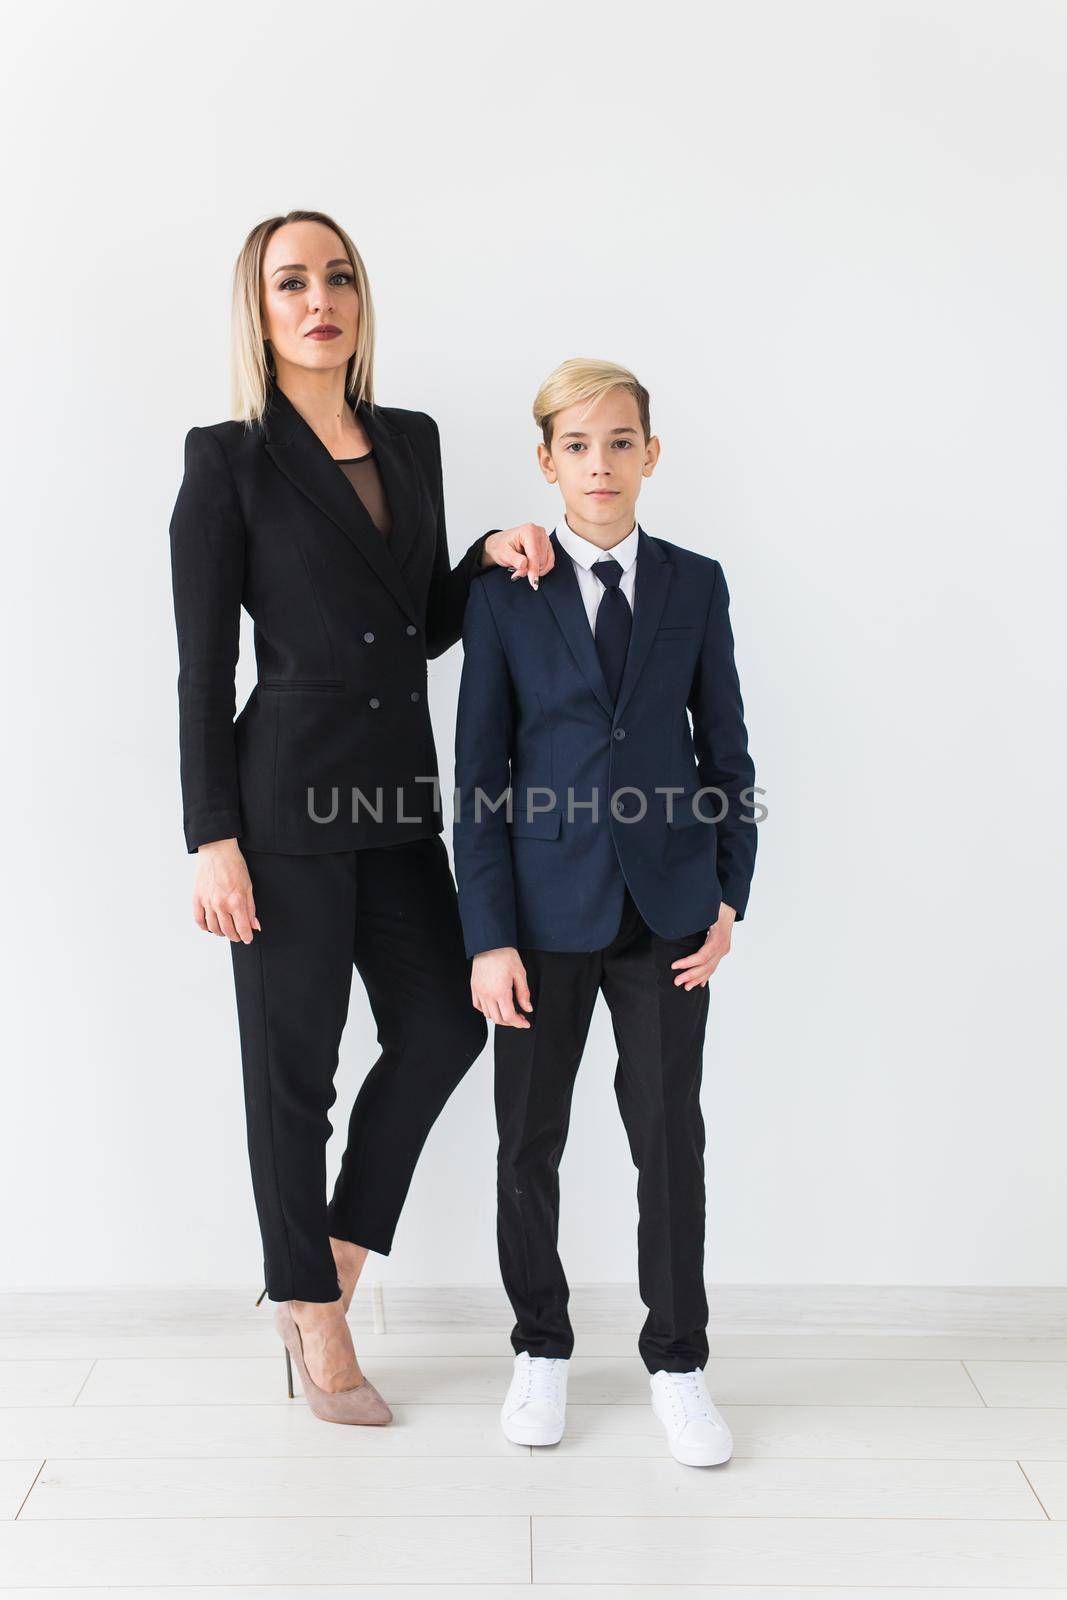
250, 373
578, 379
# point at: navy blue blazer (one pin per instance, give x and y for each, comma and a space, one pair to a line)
536, 720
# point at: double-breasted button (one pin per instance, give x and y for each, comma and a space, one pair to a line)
414, 694
411, 628
374, 704
618, 733
368, 638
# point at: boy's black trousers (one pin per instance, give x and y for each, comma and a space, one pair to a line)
659, 1030
392, 913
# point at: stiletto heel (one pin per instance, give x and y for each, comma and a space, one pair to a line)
259, 1302
289, 1373
363, 1404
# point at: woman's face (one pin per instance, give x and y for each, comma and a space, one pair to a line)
309, 282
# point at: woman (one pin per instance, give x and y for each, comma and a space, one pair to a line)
315, 816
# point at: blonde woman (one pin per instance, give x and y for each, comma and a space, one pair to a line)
315, 816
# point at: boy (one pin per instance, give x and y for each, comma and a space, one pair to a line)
602, 844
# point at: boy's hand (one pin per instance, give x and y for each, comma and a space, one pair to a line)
493, 976
700, 966
526, 549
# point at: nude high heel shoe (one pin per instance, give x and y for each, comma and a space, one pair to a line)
362, 1404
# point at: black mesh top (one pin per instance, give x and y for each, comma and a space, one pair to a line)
362, 473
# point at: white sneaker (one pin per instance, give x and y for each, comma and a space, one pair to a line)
536, 1405
696, 1432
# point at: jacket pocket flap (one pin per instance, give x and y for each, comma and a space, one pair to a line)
274, 684
689, 811
542, 825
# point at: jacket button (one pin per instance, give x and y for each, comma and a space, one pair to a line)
374, 704
411, 628
368, 638
618, 733
414, 694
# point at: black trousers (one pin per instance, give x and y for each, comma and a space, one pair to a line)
393, 913
659, 1030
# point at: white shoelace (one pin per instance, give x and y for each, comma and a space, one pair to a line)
690, 1397
542, 1379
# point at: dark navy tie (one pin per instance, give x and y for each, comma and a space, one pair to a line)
614, 620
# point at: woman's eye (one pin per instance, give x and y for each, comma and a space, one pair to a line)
345, 277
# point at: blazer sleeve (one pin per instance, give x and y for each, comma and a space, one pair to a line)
207, 548
485, 720
721, 743
449, 586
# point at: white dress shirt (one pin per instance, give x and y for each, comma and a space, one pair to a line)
583, 553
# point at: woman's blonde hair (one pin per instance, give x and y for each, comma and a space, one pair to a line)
251, 370
576, 380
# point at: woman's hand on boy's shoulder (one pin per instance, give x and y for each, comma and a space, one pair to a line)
526, 551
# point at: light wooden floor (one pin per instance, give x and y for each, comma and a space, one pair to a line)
147, 1446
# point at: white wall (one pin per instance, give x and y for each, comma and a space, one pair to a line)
831, 239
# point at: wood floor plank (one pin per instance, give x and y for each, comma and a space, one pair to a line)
705, 1550
281, 1550
524, 1591
281, 1430
885, 1432
543, 1483
42, 1383
1049, 1482
516, 1591
16, 1478
856, 1432
1021, 1383
605, 1380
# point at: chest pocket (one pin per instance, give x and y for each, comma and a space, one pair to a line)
545, 825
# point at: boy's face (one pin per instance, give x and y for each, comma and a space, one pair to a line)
599, 459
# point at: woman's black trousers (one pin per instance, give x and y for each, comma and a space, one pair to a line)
392, 914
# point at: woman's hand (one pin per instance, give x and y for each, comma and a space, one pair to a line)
526, 549
222, 893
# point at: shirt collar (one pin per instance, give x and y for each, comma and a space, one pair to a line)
584, 552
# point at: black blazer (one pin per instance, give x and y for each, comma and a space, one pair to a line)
344, 623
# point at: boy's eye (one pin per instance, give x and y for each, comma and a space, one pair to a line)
617, 444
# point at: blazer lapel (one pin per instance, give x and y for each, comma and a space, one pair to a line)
400, 475
560, 589
651, 582
299, 452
